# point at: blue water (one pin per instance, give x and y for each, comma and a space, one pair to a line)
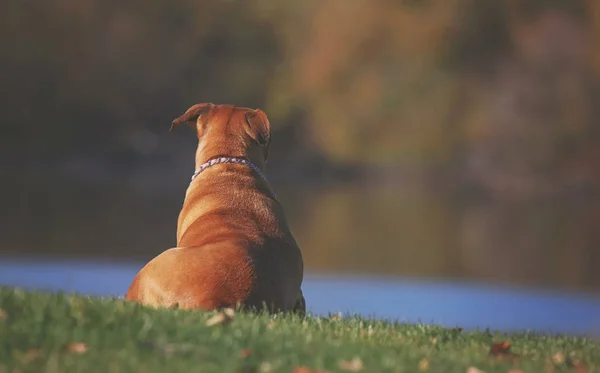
449, 304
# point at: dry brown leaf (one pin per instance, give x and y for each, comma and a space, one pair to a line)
77, 347
307, 370
515, 371
219, 318
558, 358
354, 365
501, 350
3, 314
423, 365
302, 370
229, 312
246, 353
31, 355
578, 365
265, 367
222, 318
474, 370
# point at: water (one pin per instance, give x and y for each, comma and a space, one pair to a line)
407, 230
445, 303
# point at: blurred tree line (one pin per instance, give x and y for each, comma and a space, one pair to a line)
502, 94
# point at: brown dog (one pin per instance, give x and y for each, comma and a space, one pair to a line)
234, 246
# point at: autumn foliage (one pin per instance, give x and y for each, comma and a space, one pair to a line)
503, 93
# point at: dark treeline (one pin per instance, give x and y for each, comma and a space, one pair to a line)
502, 94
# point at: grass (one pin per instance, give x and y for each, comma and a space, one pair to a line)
52, 333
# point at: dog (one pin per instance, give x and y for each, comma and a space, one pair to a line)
234, 245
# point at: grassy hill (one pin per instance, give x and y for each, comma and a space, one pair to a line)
59, 333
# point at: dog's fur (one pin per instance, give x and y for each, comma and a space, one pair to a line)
234, 246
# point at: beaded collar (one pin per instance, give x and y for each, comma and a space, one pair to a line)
233, 160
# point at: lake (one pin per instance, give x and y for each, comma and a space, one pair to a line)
451, 304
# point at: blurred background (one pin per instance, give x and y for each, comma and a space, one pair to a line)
455, 141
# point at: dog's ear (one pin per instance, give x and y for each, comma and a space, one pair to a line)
259, 127
191, 115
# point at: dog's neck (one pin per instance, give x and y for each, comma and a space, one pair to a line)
232, 160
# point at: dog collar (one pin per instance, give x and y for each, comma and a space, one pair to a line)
215, 161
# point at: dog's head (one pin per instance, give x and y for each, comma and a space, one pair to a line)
230, 131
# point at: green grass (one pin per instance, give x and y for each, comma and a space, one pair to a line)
36, 330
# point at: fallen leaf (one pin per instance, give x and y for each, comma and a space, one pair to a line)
423, 365
77, 347
354, 365
30, 355
222, 318
302, 370
558, 358
474, 370
171, 349
515, 371
219, 318
3, 314
229, 312
246, 353
578, 365
265, 367
307, 370
500, 348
